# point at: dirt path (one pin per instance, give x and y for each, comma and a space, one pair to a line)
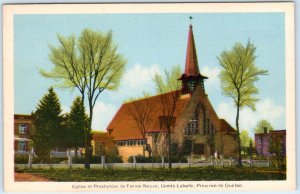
26, 177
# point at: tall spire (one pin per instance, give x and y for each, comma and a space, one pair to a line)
191, 61
191, 76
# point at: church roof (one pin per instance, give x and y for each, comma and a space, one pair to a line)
124, 126
226, 127
104, 139
191, 62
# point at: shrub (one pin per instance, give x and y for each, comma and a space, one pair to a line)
23, 159
142, 159
97, 160
114, 159
157, 159
79, 160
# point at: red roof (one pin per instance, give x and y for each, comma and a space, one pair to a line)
282, 131
22, 116
103, 138
226, 127
125, 127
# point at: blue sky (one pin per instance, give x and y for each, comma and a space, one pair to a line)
151, 43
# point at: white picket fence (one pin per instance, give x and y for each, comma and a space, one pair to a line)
191, 163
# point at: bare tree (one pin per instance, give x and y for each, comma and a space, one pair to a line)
168, 103
141, 111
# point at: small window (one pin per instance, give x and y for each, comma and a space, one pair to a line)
144, 142
22, 146
22, 128
259, 142
121, 143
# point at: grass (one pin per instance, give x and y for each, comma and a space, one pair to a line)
183, 174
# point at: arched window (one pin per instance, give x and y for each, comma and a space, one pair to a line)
192, 126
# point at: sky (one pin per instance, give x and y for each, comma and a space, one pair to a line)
152, 43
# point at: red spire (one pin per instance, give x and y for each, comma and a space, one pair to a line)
191, 62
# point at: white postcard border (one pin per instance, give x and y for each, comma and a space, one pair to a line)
8, 93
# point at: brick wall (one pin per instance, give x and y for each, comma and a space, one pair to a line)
127, 151
224, 143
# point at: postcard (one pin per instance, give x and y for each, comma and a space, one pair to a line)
149, 97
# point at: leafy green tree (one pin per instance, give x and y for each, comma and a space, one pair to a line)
47, 120
90, 64
261, 125
245, 140
238, 76
168, 83
276, 145
77, 123
250, 148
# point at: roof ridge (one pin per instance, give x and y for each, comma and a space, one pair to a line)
144, 98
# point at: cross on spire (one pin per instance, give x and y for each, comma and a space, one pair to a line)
191, 19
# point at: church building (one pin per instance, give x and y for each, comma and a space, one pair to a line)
196, 127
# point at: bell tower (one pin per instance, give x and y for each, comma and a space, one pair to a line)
191, 77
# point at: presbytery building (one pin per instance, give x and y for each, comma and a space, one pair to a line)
196, 129
271, 143
23, 132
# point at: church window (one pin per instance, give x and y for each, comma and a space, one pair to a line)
144, 142
192, 127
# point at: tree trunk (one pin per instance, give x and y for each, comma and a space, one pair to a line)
169, 149
76, 155
88, 151
238, 135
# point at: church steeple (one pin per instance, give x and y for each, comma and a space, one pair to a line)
191, 61
192, 76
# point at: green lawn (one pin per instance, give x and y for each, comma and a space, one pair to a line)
184, 174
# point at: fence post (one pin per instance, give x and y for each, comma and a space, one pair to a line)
134, 162
163, 161
222, 161
69, 158
230, 162
268, 162
30, 156
189, 161
103, 162
211, 161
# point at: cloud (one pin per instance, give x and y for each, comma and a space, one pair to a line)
136, 80
265, 109
212, 73
139, 76
103, 113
